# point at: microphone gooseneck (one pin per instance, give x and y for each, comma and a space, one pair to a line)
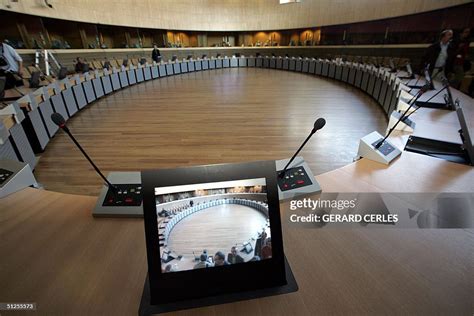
320, 122
412, 102
59, 120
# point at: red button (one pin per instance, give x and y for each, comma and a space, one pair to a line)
285, 185
111, 200
128, 200
300, 181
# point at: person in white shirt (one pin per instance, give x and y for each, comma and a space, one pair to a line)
11, 64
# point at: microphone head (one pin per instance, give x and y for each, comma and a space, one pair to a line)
58, 119
320, 122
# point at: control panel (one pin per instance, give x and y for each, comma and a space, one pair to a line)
125, 195
4, 175
385, 149
293, 178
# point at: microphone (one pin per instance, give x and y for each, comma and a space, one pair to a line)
59, 120
320, 122
412, 102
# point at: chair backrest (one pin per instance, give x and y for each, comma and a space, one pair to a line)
62, 73
35, 79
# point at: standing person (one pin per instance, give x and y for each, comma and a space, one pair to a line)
461, 62
155, 54
11, 65
233, 257
439, 56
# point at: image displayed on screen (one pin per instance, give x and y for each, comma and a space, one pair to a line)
213, 224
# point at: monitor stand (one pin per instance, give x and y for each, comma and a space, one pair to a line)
147, 309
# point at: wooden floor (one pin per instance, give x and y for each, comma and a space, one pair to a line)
219, 116
215, 229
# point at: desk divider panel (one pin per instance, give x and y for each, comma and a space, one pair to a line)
190, 66
58, 105
345, 73
98, 88
272, 62
332, 70
338, 74
212, 64
23, 145
242, 61
251, 62
177, 68
184, 66
162, 70
378, 84
219, 63
352, 73
154, 72
79, 96
115, 79
292, 64
299, 65
35, 130
393, 100
139, 74
358, 77
383, 93
197, 65
169, 69
234, 62
312, 66
205, 64
225, 63
259, 62
365, 80
388, 98
106, 84
266, 62
279, 63
319, 68
286, 64
89, 91
7, 151
123, 79
46, 109
371, 85
325, 69
69, 101
305, 67
131, 77
147, 73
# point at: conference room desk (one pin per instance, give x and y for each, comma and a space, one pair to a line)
56, 254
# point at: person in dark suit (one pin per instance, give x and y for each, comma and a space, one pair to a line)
155, 54
233, 257
440, 56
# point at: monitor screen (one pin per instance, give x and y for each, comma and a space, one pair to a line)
217, 225
213, 224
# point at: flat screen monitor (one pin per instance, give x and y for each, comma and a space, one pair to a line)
465, 133
221, 223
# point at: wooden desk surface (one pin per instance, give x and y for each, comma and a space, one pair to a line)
56, 254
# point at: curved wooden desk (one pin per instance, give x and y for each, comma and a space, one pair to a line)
55, 254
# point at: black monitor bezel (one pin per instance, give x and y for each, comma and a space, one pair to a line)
193, 284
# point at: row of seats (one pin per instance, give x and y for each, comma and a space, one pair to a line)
168, 227
34, 127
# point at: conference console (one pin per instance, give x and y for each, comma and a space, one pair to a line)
15, 176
